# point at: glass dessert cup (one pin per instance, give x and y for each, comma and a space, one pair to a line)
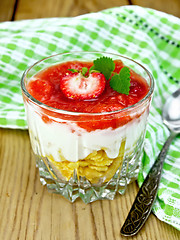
76, 161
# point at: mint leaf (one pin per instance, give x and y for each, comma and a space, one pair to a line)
84, 71
91, 69
121, 82
73, 70
105, 65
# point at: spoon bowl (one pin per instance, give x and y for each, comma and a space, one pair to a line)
171, 112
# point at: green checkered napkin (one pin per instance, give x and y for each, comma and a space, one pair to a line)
146, 35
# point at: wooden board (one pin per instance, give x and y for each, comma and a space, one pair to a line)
28, 211
168, 6
6, 9
62, 8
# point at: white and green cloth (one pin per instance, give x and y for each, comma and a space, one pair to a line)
148, 36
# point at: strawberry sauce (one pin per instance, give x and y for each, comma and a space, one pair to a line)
46, 88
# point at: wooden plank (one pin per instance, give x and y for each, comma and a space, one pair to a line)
28, 211
6, 9
96, 5
168, 6
61, 8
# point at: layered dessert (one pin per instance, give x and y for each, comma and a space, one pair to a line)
86, 118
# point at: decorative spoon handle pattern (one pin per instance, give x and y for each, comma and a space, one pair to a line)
144, 200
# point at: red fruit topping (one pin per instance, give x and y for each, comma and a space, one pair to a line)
40, 89
52, 86
103, 107
118, 65
76, 86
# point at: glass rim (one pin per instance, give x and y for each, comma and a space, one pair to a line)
61, 111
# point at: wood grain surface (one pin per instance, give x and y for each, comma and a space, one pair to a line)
27, 209
167, 6
6, 9
55, 8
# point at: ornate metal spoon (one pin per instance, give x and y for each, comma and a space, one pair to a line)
144, 200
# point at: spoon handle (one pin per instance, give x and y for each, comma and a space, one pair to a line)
144, 200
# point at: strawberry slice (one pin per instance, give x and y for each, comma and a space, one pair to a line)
76, 86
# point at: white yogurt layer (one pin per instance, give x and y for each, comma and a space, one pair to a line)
53, 138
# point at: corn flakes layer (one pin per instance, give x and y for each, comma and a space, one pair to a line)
95, 166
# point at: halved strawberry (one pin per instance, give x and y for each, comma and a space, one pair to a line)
76, 86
